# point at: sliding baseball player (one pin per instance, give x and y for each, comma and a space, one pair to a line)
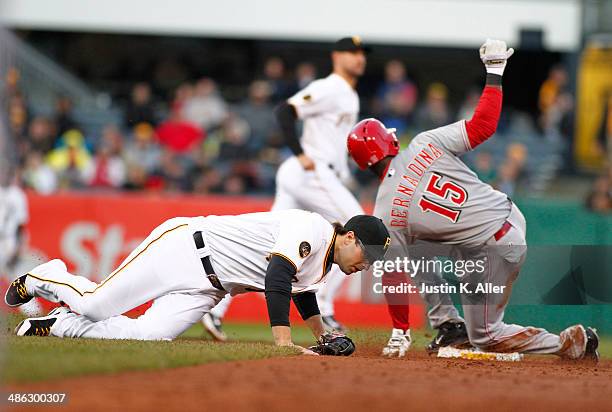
427, 194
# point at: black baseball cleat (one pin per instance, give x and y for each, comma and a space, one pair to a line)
449, 334
591, 353
331, 324
16, 294
40, 326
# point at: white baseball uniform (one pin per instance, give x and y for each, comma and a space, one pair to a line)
13, 214
328, 108
167, 268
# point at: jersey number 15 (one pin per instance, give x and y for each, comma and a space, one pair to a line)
447, 190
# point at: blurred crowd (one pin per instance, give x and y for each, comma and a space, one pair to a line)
196, 141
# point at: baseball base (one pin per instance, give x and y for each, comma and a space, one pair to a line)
474, 354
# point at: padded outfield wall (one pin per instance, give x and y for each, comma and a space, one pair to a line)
570, 262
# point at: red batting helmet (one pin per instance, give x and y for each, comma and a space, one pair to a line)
370, 141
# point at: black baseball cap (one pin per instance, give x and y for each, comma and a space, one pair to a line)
351, 44
372, 233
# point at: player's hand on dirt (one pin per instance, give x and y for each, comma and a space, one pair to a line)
305, 351
306, 162
495, 54
302, 350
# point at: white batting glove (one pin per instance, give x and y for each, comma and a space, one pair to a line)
494, 54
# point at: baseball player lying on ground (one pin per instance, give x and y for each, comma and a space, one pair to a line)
187, 265
427, 194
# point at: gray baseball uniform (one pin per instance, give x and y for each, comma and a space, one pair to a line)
430, 196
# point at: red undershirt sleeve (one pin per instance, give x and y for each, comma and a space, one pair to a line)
486, 116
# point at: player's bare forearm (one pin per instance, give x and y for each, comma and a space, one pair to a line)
306, 162
282, 335
316, 326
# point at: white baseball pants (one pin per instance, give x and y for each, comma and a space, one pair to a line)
163, 268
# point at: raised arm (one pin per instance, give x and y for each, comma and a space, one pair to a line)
494, 54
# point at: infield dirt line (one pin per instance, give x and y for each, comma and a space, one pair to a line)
361, 383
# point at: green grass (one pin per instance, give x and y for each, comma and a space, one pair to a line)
30, 359
605, 347
35, 359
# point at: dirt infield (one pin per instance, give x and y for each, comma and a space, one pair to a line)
360, 383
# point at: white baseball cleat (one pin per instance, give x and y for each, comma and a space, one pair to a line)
398, 344
212, 325
40, 326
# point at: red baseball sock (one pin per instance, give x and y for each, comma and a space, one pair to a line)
397, 303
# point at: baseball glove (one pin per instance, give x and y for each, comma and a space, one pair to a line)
333, 344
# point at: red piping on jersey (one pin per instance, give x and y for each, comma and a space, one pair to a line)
486, 116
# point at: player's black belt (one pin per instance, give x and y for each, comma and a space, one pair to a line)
210, 272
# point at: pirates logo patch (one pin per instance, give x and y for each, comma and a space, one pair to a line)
304, 249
